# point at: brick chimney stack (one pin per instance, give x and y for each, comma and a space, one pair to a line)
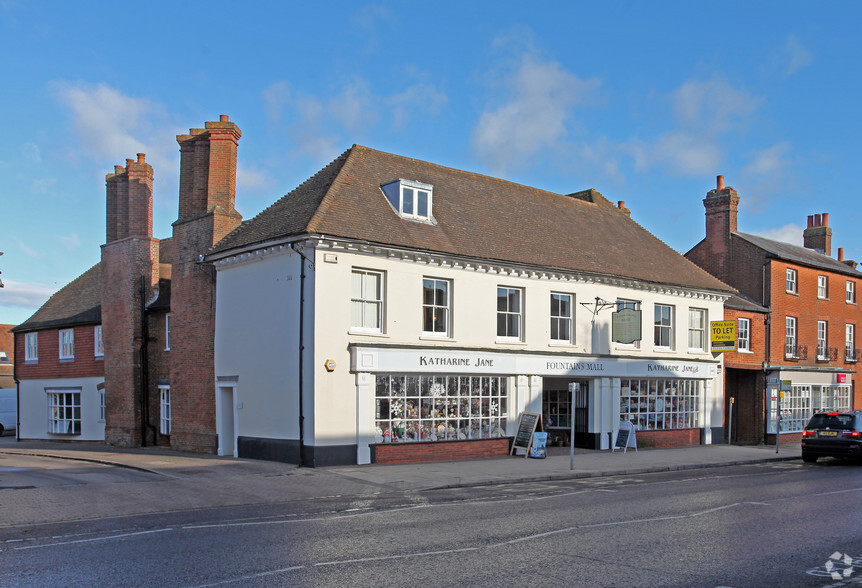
714, 253
130, 257
206, 214
818, 235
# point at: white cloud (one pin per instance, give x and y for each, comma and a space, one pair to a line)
31, 153
25, 294
43, 186
787, 234
251, 179
770, 161
686, 153
796, 56
714, 105
71, 241
540, 100
418, 99
354, 108
111, 126
275, 98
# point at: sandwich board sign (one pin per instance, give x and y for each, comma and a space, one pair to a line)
625, 437
528, 422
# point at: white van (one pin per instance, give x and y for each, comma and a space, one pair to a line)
8, 409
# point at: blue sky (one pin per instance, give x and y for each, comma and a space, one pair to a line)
644, 101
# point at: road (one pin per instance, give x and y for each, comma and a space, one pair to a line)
776, 524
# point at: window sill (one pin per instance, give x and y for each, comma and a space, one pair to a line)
67, 360
430, 337
31, 362
368, 334
748, 351
563, 344
510, 342
662, 350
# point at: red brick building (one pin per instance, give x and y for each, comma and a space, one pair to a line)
7, 356
810, 327
109, 371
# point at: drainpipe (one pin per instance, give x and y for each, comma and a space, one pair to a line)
768, 327
145, 368
302, 260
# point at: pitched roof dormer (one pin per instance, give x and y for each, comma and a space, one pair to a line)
412, 200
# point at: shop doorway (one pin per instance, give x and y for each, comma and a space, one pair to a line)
560, 406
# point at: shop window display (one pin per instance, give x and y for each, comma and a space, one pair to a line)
439, 408
653, 405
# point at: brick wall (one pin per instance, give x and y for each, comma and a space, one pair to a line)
439, 451
206, 215
673, 438
84, 365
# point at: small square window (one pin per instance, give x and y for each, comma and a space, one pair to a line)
411, 199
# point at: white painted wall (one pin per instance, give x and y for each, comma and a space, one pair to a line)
33, 408
257, 330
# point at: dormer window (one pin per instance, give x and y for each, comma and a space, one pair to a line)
410, 199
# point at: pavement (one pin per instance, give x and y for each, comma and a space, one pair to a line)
168, 481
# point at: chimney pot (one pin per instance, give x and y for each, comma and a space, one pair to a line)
817, 221
621, 204
223, 118
840, 254
129, 162
825, 219
719, 182
810, 220
142, 158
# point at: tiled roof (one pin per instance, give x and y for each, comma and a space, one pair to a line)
801, 255
741, 302
77, 303
477, 217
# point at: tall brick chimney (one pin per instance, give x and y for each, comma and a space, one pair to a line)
206, 214
129, 255
714, 253
818, 235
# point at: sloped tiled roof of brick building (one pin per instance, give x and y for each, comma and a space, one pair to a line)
78, 303
477, 217
801, 255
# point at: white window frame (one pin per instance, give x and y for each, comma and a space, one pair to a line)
850, 297
436, 313
102, 405
510, 317
64, 411
168, 332
67, 343
363, 300
98, 345
790, 347
165, 409
850, 342
822, 287
31, 347
407, 196
822, 340
791, 283
697, 331
663, 326
743, 335
562, 318
634, 305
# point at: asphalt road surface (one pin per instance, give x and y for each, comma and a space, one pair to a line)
779, 524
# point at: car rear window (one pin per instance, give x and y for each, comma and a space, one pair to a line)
832, 421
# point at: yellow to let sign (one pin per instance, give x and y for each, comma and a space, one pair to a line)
723, 336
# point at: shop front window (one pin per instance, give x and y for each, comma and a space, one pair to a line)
440, 408
802, 401
661, 404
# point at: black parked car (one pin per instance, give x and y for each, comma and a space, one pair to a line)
832, 434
